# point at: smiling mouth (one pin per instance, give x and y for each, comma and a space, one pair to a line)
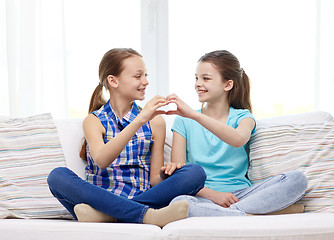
201, 91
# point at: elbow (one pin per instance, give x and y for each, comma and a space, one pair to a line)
236, 145
239, 142
100, 162
101, 158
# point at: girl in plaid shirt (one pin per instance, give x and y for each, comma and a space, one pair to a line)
125, 176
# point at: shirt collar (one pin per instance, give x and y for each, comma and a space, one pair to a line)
127, 119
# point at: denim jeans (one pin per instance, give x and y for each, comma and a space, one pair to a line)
70, 190
271, 195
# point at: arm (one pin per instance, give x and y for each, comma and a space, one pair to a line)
171, 166
168, 169
158, 127
179, 147
105, 154
234, 137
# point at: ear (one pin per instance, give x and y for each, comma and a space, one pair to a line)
228, 85
112, 81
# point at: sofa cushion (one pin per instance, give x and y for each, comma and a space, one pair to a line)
29, 150
304, 144
309, 226
57, 229
71, 139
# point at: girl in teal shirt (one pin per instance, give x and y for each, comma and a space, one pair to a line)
216, 137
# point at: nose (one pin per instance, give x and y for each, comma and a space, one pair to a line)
144, 81
198, 82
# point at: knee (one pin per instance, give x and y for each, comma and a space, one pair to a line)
299, 179
196, 171
56, 175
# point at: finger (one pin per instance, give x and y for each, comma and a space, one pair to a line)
170, 96
168, 166
158, 112
158, 97
179, 165
172, 112
235, 198
172, 100
160, 104
172, 169
223, 205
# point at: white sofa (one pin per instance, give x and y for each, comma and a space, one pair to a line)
316, 223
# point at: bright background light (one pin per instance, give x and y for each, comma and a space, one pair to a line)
50, 50
273, 40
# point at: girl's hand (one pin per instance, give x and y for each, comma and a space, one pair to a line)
182, 108
224, 199
169, 169
150, 109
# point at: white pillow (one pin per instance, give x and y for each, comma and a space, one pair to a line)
169, 119
300, 118
29, 150
71, 138
306, 145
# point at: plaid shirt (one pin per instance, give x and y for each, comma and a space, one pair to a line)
128, 174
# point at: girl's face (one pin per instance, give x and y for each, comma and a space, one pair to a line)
209, 83
132, 81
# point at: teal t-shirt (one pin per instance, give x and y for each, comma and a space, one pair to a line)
226, 166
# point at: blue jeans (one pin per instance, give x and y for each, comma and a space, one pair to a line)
70, 190
271, 195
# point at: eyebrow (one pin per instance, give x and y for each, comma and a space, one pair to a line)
204, 74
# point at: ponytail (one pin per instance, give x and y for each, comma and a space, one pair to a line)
239, 96
96, 102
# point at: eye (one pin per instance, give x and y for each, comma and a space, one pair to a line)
138, 76
206, 78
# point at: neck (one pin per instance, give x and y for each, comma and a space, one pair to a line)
217, 110
121, 108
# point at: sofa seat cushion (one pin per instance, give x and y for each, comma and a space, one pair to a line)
307, 226
70, 230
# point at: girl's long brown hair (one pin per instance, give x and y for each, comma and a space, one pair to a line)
229, 67
111, 64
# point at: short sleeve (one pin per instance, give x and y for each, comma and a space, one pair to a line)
240, 114
179, 126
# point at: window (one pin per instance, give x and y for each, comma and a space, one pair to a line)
4, 94
91, 29
50, 50
275, 42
